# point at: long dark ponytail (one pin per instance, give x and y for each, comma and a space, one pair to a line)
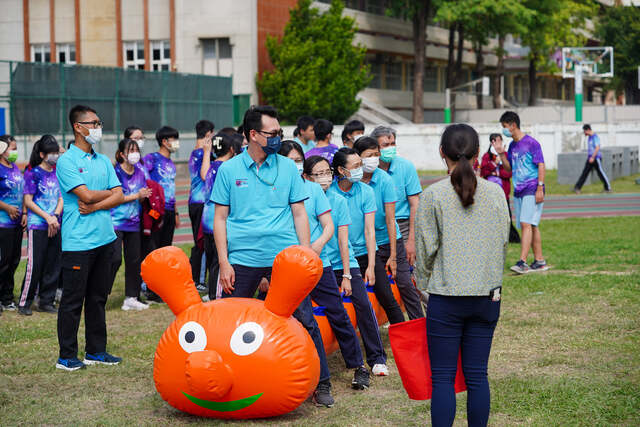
45, 145
460, 144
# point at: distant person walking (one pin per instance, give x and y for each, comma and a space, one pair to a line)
593, 161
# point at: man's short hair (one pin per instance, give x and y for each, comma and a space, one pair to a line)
202, 127
383, 131
322, 128
510, 117
77, 112
304, 122
166, 132
586, 127
494, 136
350, 127
253, 118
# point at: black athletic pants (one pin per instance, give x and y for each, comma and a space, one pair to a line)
131, 241
195, 215
10, 247
597, 164
86, 279
212, 264
43, 268
164, 236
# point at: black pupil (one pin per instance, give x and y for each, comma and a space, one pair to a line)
189, 337
248, 337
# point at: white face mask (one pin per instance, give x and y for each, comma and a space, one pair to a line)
324, 181
175, 145
95, 136
133, 158
52, 159
369, 164
493, 151
300, 166
140, 143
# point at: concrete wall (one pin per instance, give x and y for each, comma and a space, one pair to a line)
555, 114
98, 33
11, 31
132, 21
64, 19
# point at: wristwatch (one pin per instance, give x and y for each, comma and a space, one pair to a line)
347, 276
540, 184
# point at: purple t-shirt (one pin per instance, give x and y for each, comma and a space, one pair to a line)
209, 206
44, 188
524, 157
326, 152
11, 186
163, 171
126, 217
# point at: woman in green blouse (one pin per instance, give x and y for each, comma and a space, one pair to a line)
462, 231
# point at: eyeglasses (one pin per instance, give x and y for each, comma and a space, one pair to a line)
323, 173
95, 123
275, 133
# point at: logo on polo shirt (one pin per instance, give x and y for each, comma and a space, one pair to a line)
80, 170
242, 183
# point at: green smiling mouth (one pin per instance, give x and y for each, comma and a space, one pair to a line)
233, 405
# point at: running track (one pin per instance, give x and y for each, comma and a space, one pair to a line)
555, 207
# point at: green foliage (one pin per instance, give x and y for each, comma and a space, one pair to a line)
620, 27
554, 24
317, 71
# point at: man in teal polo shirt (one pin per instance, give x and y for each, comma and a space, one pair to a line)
90, 188
407, 186
391, 254
259, 211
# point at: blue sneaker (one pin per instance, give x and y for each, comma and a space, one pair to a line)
103, 358
520, 267
539, 266
72, 364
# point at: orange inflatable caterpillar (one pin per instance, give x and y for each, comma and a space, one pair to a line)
235, 357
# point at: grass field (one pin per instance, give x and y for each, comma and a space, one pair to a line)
565, 352
625, 184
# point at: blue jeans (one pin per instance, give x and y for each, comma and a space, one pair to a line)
465, 323
245, 286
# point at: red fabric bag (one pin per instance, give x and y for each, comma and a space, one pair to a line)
409, 346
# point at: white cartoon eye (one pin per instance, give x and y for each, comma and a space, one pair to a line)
192, 337
246, 338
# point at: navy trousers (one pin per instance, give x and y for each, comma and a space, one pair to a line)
366, 318
327, 294
465, 324
245, 286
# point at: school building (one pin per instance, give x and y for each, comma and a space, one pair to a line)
227, 38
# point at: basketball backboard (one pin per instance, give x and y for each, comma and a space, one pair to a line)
594, 61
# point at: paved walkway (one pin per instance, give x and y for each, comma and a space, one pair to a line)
555, 207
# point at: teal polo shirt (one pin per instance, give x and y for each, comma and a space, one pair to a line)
305, 147
385, 193
406, 181
76, 168
341, 218
361, 201
317, 205
260, 222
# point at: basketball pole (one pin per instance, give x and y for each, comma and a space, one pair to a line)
578, 92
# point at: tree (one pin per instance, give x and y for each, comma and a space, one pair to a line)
416, 11
317, 70
553, 24
620, 27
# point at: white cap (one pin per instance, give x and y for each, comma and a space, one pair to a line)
3, 146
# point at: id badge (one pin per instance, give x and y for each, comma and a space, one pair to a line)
496, 294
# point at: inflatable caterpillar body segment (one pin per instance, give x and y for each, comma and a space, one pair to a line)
236, 357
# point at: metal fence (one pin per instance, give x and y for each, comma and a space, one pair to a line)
38, 97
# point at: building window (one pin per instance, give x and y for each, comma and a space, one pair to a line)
134, 55
160, 55
40, 53
393, 75
219, 48
66, 53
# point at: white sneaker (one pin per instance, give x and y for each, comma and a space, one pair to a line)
131, 303
205, 298
380, 370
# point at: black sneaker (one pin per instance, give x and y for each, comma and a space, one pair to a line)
202, 288
11, 306
521, 267
322, 395
539, 266
47, 308
25, 311
360, 379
